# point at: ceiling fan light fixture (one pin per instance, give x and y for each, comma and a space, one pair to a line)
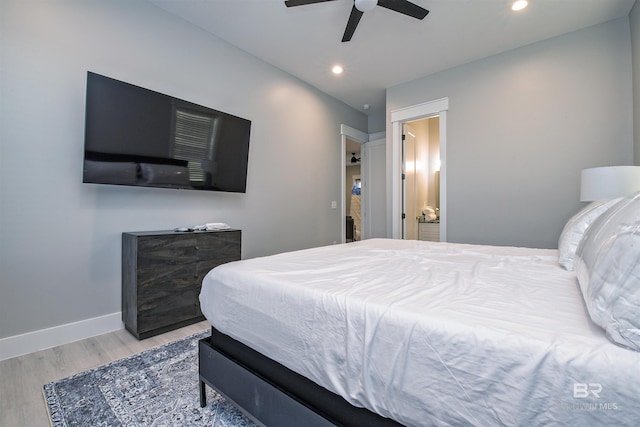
359, 7
365, 5
519, 5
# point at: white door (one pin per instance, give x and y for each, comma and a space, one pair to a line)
409, 184
375, 186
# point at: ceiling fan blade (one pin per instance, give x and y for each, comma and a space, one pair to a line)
354, 18
405, 7
291, 3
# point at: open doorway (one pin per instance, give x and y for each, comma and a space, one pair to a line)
421, 179
354, 173
395, 165
353, 191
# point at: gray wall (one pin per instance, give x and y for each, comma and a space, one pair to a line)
376, 121
522, 125
634, 20
60, 240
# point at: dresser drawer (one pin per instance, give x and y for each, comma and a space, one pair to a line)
162, 275
429, 231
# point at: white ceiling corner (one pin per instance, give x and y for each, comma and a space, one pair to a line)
387, 48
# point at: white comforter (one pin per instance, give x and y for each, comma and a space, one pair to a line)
432, 333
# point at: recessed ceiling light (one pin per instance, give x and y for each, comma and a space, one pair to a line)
337, 69
519, 5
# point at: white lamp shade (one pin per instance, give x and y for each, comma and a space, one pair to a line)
609, 182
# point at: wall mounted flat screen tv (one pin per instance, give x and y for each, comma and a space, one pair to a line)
135, 136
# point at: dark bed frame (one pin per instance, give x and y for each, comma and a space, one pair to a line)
271, 393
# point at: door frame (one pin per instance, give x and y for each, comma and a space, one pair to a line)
406, 129
361, 138
399, 116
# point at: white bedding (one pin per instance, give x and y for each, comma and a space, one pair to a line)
432, 333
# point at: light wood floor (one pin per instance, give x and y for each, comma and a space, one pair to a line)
21, 378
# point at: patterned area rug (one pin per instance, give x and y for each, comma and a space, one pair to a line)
158, 387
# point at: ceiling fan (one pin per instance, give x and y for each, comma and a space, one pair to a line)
360, 6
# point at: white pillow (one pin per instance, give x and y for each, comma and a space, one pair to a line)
574, 230
607, 264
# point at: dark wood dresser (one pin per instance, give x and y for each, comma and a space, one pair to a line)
162, 273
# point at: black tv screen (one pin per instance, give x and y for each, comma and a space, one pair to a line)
135, 136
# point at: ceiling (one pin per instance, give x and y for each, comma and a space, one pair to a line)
387, 48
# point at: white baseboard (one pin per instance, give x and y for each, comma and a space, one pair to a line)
18, 345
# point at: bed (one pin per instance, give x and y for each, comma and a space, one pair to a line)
394, 332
